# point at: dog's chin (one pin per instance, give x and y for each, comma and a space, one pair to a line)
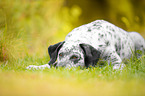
70, 65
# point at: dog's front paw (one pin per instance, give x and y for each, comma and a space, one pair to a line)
32, 67
119, 66
38, 67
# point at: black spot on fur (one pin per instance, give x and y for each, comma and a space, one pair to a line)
98, 26
116, 47
119, 48
105, 57
98, 22
122, 46
102, 35
107, 43
113, 30
110, 33
123, 54
89, 30
69, 35
114, 59
100, 45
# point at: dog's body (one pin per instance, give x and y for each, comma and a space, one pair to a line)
98, 40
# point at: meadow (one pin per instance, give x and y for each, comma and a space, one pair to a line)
28, 27
16, 80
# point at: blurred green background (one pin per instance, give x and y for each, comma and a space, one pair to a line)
28, 27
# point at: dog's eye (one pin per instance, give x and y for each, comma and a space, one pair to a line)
61, 54
74, 57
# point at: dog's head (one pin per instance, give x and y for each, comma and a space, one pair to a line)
69, 55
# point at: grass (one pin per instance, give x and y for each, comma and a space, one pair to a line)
28, 27
15, 80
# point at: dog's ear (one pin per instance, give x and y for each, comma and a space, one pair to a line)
53, 51
91, 54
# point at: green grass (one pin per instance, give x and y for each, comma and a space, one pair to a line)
28, 27
15, 80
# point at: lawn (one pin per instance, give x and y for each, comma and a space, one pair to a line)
15, 80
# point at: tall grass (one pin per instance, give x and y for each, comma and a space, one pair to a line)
34, 26
29, 27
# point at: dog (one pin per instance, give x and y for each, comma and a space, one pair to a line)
99, 40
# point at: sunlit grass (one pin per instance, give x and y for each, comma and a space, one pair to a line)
15, 79
28, 27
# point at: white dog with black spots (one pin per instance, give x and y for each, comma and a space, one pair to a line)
98, 40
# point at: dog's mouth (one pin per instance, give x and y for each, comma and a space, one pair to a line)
69, 65
64, 65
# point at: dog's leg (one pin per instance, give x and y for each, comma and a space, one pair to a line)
116, 61
139, 43
113, 58
38, 67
